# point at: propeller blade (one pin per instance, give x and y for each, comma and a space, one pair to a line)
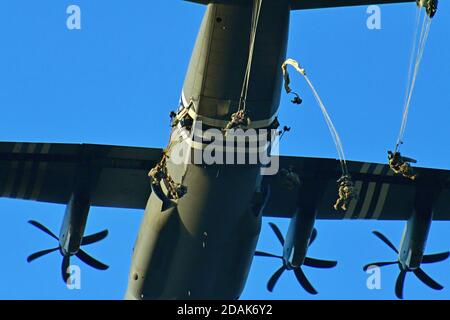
313, 236
39, 254
379, 264
274, 278
64, 266
437, 257
265, 254
304, 281
383, 238
399, 284
83, 256
317, 263
277, 232
427, 279
96, 237
43, 228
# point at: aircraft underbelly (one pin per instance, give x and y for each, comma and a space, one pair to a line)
202, 247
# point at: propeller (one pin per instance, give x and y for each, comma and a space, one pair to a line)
298, 272
82, 255
420, 274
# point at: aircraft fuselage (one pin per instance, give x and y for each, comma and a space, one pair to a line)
204, 245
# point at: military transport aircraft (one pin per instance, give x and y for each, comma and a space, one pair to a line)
202, 221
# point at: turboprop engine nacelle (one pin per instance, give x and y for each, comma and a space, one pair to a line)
72, 229
298, 238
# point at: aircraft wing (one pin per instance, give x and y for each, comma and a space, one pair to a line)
319, 4
46, 172
381, 194
313, 4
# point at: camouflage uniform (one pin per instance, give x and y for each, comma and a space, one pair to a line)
158, 174
290, 179
346, 193
238, 120
430, 6
400, 165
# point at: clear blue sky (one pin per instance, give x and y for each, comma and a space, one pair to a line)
115, 81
